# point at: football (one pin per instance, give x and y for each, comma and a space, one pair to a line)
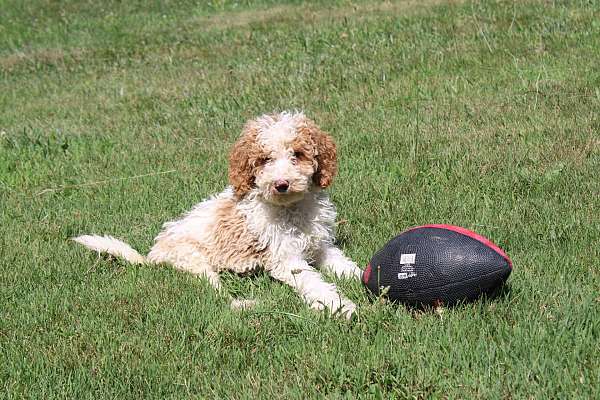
437, 265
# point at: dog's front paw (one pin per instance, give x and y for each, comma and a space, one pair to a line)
337, 306
343, 268
352, 272
348, 309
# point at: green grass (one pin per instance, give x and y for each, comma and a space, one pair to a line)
483, 114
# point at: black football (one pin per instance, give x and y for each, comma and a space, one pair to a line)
437, 264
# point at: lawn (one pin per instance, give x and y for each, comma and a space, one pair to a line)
117, 116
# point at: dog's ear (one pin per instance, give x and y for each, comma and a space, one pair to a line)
242, 160
325, 155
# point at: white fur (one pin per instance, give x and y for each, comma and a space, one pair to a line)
301, 230
108, 244
277, 133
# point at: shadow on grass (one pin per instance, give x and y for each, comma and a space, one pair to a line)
501, 293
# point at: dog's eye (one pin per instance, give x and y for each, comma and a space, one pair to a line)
298, 155
264, 160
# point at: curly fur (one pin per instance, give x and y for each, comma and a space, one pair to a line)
324, 153
274, 215
244, 158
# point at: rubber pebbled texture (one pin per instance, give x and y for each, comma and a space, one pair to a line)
449, 266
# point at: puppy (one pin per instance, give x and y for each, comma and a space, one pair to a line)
274, 215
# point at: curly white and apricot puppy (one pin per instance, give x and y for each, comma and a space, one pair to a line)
275, 215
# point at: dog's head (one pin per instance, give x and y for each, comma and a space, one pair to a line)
282, 156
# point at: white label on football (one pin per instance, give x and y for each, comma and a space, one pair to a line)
406, 275
407, 258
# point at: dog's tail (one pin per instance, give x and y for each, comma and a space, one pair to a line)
110, 245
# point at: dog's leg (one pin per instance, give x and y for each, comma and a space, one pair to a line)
185, 258
311, 286
332, 260
203, 271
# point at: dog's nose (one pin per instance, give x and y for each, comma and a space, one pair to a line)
281, 186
